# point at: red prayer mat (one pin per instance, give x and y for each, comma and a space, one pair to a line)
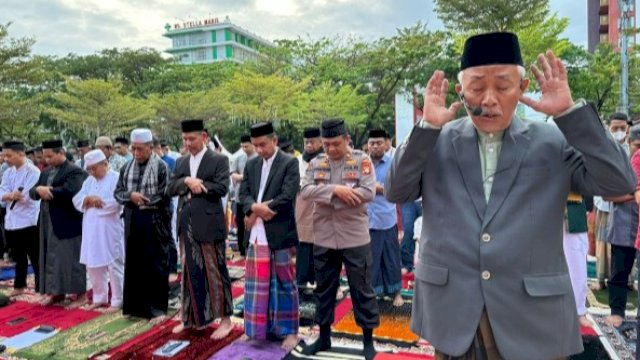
201, 346
19, 317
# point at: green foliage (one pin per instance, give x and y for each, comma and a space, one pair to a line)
491, 15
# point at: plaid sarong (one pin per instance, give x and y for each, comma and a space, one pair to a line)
271, 294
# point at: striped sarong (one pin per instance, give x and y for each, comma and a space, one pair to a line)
271, 294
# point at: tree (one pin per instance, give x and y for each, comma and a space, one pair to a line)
594, 77
95, 107
491, 15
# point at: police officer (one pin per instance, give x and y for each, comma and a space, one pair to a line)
341, 182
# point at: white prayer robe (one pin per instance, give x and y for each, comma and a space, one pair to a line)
102, 229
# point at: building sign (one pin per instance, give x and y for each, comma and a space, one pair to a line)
195, 24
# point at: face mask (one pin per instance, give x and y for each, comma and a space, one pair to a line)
619, 135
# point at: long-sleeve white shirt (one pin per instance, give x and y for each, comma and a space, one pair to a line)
102, 229
258, 232
25, 212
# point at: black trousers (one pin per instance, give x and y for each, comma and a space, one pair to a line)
328, 265
304, 264
241, 230
622, 258
4, 246
25, 243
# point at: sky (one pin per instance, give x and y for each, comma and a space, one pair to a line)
86, 26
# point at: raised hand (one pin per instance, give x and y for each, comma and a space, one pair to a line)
435, 110
554, 86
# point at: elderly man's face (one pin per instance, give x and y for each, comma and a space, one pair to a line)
312, 145
495, 88
141, 152
99, 170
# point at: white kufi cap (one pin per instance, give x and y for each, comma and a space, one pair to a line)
141, 136
93, 157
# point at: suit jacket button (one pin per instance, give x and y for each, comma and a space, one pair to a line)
486, 275
486, 238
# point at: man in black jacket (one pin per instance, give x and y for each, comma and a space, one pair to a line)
201, 180
267, 196
60, 226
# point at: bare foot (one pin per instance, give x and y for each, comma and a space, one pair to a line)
289, 342
614, 320
111, 310
94, 306
584, 321
398, 301
178, 329
157, 320
16, 292
339, 294
245, 337
47, 300
223, 330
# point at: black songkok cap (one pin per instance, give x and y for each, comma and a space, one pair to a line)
245, 138
80, 143
261, 129
333, 128
377, 133
491, 49
192, 125
122, 140
285, 145
52, 144
634, 132
30, 151
311, 132
14, 145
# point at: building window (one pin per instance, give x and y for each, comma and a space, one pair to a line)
604, 19
214, 37
215, 53
604, 38
229, 52
201, 55
604, 2
227, 34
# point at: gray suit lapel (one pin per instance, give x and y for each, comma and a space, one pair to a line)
468, 155
514, 146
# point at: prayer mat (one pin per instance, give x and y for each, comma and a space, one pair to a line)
394, 323
403, 356
335, 353
27, 339
623, 339
85, 340
307, 308
237, 289
236, 272
237, 263
252, 349
344, 307
9, 272
200, 347
19, 317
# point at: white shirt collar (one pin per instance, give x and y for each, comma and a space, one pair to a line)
270, 160
200, 154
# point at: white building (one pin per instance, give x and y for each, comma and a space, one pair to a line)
211, 40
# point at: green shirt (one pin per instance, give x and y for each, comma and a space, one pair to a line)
489, 145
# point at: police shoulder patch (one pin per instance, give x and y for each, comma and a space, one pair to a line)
366, 166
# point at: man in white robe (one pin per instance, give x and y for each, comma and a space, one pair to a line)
102, 250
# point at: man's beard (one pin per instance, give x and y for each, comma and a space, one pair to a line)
310, 156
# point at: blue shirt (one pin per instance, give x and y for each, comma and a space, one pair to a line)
382, 213
171, 163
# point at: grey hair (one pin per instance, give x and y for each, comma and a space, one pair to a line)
521, 72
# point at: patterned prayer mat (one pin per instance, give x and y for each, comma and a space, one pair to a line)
9, 272
394, 323
200, 347
92, 337
252, 349
236, 272
622, 339
27, 339
403, 356
19, 317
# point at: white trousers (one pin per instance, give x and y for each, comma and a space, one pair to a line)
100, 278
575, 252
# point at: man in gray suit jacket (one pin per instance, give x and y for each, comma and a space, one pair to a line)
492, 280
